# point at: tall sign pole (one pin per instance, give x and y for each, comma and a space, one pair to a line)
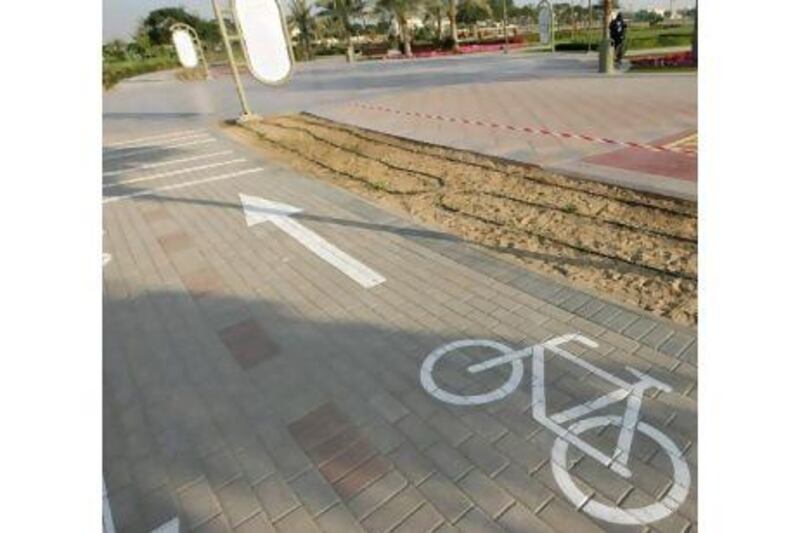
197, 47
547, 23
606, 55
223, 30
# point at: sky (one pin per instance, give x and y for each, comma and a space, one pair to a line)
120, 17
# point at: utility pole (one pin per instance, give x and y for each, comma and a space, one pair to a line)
606, 53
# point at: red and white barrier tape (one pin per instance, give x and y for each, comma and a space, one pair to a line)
533, 130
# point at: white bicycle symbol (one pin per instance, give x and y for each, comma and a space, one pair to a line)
629, 423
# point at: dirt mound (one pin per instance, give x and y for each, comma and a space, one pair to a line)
635, 247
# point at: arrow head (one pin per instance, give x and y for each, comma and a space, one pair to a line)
258, 210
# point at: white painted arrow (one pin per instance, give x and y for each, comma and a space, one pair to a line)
258, 210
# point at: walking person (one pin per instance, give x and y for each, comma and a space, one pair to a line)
617, 30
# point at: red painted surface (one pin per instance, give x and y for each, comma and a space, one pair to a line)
670, 164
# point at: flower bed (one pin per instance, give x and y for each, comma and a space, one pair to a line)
677, 60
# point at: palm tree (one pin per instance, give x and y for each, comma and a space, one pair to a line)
452, 11
435, 8
342, 11
300, 18
402, 11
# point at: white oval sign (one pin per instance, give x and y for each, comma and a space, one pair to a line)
265, 39
184, 45
544, 23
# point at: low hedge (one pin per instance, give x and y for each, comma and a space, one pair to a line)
117, 71
634, 43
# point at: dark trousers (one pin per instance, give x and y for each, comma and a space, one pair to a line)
619, 49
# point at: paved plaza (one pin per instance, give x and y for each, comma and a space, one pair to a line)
270, 341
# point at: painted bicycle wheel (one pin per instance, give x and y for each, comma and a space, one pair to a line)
426, 374
654, 512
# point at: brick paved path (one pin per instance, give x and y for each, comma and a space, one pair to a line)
644, 109
250, 386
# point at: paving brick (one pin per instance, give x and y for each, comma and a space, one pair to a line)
486, 493
351, 457
446, 497
182, 470
419, 403
290, 460
523, 487
562, 517
639, 328
318, 425
621, 321
675, 344
276, 497
198, 503
484, 455
238, 501
360, 477
394, 511
220, 468
298, 521
590, 308
449, 461
414, 466
601, 478
383, 436
388, 407
248, 343
375, 494
148, 474
254, 462
450, 428
519, 422
657, 336
424, 519
328, 449
528, 454
175, 241
257, 523
202, 283
476, 521
519, 519
315, 493
338, 519
125, 507
158, 507
417, 431
484, 425
218, 524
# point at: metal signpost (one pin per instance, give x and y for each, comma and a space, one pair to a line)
260, 31
547, 24
189, 47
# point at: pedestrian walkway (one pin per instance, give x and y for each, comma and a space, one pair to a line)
614, 129
270, 344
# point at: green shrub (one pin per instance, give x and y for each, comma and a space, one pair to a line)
113, 72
